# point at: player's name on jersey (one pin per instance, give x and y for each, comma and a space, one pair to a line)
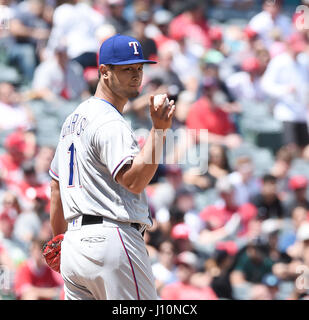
74, 124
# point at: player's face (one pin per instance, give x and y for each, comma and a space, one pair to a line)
126, 80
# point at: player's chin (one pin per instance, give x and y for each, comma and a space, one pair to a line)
133, 92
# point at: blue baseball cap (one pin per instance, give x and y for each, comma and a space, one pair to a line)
120, 50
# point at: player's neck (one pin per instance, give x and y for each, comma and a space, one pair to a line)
109, 96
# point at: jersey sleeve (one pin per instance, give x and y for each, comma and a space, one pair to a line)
53, 170
116, 145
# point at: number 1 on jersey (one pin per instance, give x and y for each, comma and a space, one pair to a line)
73, 164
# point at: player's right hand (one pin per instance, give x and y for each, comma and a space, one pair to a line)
161, 115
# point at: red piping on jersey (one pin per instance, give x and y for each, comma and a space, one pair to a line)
53, 173
125, 249
120, 164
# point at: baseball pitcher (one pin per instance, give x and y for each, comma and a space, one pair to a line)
99, 208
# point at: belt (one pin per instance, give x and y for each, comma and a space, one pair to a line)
90, 219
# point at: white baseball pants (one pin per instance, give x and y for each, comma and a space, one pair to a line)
106, 261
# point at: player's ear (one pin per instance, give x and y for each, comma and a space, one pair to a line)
103, 71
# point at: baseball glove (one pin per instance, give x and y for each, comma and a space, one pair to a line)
52, 252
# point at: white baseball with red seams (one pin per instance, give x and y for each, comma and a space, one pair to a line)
158, 100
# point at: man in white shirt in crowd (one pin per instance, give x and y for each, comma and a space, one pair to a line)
270, 19
246, 84
59, 78
16, 115
76, 22
286, 79
246, 184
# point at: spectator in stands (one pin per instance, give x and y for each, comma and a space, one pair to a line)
206, 113
252, 43
34, 280
270, 231
17, 115
29, 190
219, 268
298, 185
298, 252
268, 202
225, 220
287, 237
164, 270
251, 266
217, 41
271, 18
218, 166
59, 78
286, 80
187, 263
74, 25
11, 161
160, 27
245, 85
246, 184
10, 202
280, 170
225, 97
138, 32
184, 101
164, 73
164, 194
27, 227
15, 249
183, 210
30, 32
180, 234
191, 24
115, 16
42, 163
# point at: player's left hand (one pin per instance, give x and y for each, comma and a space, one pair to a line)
52, 252
162, 114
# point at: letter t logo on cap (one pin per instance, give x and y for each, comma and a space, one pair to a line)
135, 45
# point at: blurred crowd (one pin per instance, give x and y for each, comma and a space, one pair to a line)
230, 204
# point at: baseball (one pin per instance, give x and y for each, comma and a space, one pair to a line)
157, 100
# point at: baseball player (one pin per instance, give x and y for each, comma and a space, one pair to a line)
98, 179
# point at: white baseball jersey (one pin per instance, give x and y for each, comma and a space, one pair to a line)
94, 144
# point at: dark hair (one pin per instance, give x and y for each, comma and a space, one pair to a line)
166, 240
226, 164
28, 167
269, 178
276, 2
220, 256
